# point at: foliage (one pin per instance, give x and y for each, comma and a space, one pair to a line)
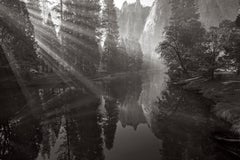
111, 53
80, 34
17, 36
213, 55
182, 37
190, 50
232, 44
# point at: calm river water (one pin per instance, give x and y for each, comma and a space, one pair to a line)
139, 117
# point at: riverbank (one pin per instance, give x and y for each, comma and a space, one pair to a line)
225, 93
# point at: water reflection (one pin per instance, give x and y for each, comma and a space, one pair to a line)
184, 124
18, 140
136, 118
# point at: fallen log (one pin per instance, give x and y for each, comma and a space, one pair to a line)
185, 81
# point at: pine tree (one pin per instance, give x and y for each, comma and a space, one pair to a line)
109, 22
110, 125
80, 34
18, 35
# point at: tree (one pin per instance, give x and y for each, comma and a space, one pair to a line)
233, 43
19, 139
110, 125
182, 36
216, 49
110, 25
17, 36
80, 36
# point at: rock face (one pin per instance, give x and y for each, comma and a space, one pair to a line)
146, 25
157, 20
212, 12
132, 19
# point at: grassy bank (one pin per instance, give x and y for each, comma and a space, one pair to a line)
226, 95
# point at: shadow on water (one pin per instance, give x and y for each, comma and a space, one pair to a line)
138, 117
185, 125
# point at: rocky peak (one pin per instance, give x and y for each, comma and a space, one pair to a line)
157, 20
124, 6
132, 20
138, 4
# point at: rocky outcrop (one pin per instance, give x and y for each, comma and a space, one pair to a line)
157, 20
212, 12
132, 19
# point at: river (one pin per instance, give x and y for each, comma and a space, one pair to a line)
140, 117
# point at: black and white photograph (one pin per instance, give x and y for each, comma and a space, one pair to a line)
119, 79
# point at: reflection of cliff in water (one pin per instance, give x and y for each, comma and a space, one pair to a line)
131, 113
126, 91
152, 86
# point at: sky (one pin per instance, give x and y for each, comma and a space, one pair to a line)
119, 3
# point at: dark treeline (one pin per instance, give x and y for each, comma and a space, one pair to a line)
191, 50
17, 39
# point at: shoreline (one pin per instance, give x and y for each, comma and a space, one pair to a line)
224, 93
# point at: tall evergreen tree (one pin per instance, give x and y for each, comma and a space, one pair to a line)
110, 125
17, 35
80, 34
109, 22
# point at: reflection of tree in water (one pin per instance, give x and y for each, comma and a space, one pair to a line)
85, 134
170, 101
184, 127
19, 140
116, 91
110, 124
175, 99
71, 126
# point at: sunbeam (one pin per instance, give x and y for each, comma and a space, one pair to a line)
115, 79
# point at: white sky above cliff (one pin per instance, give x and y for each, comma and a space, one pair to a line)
119, 3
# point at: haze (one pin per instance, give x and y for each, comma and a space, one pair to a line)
119, 3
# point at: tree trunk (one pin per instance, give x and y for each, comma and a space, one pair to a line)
212, 73
238, 69
61, 5
181, 63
